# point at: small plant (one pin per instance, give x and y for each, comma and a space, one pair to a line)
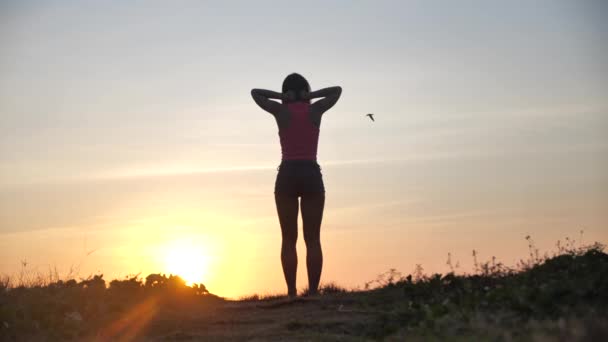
452, 267
387, 278
331, 288
5, 283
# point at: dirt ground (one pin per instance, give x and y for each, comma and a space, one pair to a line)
325, 318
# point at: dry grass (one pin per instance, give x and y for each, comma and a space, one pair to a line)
561, 295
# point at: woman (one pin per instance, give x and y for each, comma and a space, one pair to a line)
299, 174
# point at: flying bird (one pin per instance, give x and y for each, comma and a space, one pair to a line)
371, 116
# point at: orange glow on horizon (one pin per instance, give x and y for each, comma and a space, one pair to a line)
187, 260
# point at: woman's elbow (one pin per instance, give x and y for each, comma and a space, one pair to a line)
338, 91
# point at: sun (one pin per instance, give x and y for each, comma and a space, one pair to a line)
187, 260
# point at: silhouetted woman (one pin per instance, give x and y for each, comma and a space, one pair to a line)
299, 174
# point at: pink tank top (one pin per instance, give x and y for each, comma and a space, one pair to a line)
300, 138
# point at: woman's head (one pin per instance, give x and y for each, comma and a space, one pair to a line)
296, 83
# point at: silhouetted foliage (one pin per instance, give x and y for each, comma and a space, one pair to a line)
69, 309
563, 296
546, 288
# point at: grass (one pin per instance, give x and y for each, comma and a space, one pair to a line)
561, 296
497, 301
324, 289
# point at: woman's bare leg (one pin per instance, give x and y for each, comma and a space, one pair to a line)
287, 208
312, 215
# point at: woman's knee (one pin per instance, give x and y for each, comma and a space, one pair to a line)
290, 240
312, 240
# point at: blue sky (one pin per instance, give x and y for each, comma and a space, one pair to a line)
492, 118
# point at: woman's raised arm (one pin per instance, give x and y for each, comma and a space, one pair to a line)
329, 98
264, 98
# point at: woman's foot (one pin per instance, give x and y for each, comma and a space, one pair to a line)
309, 293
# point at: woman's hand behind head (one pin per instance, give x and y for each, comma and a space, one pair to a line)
304, 95
290, 95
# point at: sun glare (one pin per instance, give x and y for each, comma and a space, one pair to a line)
186, 259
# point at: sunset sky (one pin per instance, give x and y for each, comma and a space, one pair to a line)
129, 142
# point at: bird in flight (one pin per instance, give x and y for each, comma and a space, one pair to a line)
371, 116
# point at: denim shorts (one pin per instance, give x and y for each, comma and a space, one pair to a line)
298, 177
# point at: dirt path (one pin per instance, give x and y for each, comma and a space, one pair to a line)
331, 317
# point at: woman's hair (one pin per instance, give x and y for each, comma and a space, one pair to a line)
296, 83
